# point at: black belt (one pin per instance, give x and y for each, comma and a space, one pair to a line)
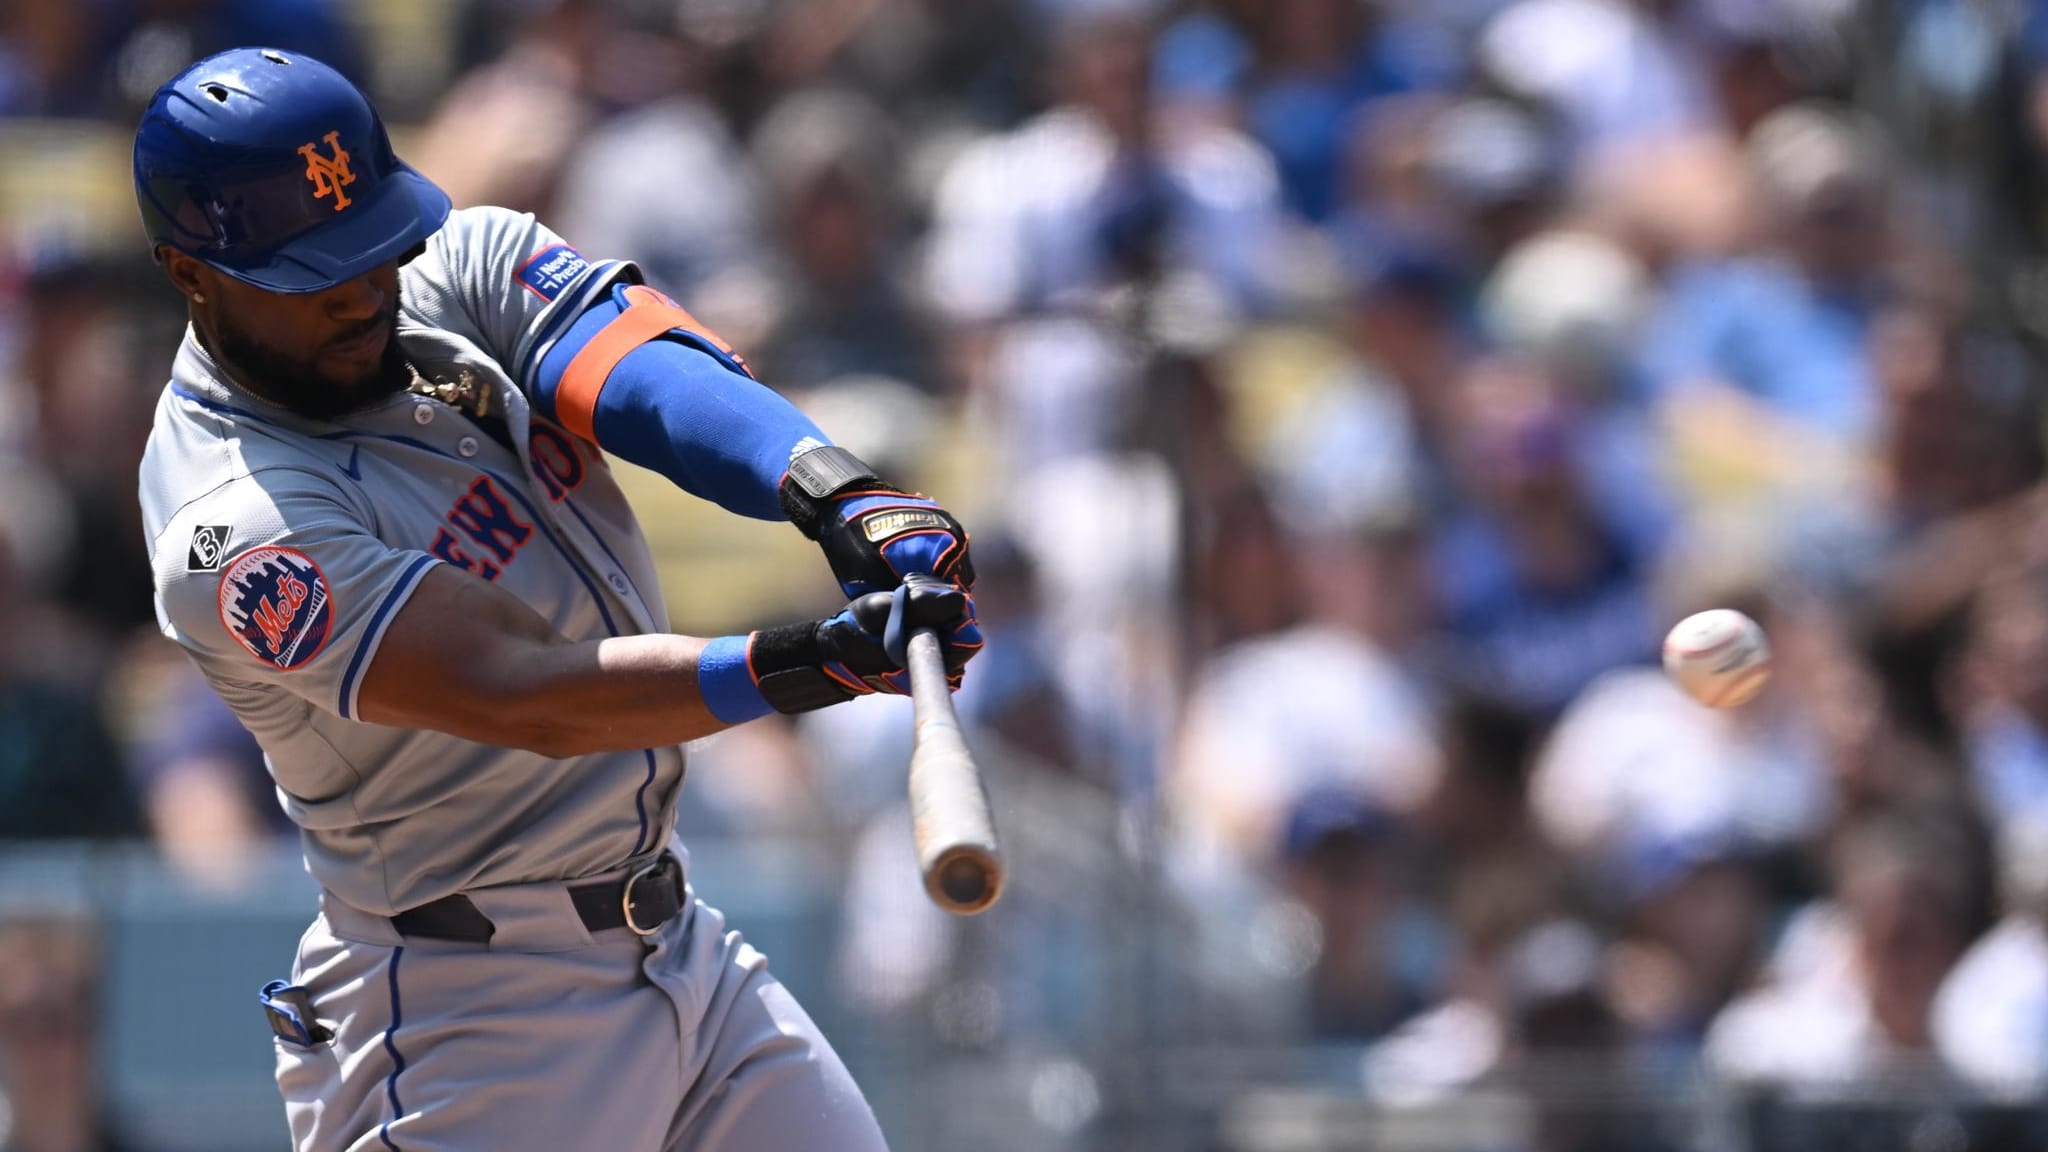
642, 900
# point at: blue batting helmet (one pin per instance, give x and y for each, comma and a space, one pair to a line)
273, 168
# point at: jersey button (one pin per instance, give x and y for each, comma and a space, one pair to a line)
618, 582
422, 414
466, 445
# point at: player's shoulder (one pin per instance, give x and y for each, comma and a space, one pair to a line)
206, 467
483, 251
198, 441
262, 499
485, 235
481, 227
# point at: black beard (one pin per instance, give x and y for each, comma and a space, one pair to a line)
298, 385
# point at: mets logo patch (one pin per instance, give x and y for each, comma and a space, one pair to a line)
275, 601
552, 269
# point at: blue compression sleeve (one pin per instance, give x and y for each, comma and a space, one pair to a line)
683, 406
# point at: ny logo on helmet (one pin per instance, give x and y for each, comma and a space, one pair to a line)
329, 174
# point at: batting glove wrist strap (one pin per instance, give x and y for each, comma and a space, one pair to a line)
816, 476
788, 669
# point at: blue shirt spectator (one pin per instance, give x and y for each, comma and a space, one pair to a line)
1301, 109
1763, 328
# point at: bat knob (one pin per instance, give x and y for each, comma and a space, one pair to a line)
965, 882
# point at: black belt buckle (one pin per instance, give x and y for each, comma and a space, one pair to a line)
653, 894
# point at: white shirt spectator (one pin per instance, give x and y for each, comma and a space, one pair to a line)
1273, 716
1611, 68
1634, 760
1817, 1033
1991, 1016
1020, 218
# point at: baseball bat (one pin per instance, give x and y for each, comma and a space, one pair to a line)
956, 836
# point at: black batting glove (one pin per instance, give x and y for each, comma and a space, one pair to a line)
874, 535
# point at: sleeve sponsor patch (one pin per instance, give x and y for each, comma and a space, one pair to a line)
552, 269
275, 602
209, 548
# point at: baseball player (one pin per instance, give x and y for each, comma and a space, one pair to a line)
382, 525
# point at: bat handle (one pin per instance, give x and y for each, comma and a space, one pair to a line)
956, 841
930, 693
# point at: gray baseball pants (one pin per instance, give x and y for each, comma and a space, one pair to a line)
551, 1038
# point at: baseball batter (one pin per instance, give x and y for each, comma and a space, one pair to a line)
382, 526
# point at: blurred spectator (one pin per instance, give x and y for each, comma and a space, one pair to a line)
60, 773
1692, 939
1910, 896
208, 795
2005, 698
504, 132
1572, 302
827, 160
1302, 700
1096, 191
1961, 447
1635, 767
1542, 588
619, 191
50, 1078
85, 335
1957, 430
1991, 1017
929, 62
1786, 329
1560, 1019
1019, 696
1544, 1022
1497, 171
1337, 862
1369, 440
1614, 70
1300, 71
60, 58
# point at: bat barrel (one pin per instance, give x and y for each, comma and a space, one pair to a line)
956, 839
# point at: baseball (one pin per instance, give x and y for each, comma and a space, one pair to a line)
1720, 657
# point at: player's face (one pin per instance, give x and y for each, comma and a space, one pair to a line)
320, 354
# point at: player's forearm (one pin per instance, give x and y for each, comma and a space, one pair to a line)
556, 697
467, 658
612, 695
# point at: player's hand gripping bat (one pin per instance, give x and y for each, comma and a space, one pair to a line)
956, 836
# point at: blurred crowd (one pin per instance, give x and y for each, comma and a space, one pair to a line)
1345, 395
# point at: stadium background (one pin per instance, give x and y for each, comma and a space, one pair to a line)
1346, 394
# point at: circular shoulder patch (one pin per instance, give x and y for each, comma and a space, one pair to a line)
275, 602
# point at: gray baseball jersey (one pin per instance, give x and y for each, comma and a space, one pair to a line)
283, 547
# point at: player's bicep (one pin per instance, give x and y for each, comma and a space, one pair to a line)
274, 580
